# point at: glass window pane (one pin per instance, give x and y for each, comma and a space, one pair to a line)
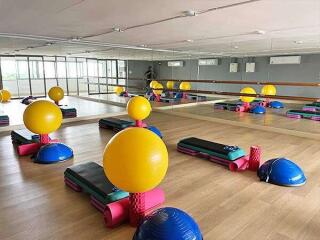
49, 69
61, 69
23, 76
122, 69
102, 68
36, 74
8, 68
22, 67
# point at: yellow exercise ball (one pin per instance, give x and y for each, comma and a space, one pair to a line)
42, 117
135, 160
138, 108
247, 90
269, 90
153, 83
170, 84
119, 90
159, 86
56, 93
5, 95
185, 86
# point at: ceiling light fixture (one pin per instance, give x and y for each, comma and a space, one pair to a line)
143, 45
49, 43
116, 29
75, 39
190, 13
298, 42
28, 48
259, 32
236, 47
190, 40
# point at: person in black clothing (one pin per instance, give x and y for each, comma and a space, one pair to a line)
149, 75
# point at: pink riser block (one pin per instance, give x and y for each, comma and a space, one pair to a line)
118, 212
31, 148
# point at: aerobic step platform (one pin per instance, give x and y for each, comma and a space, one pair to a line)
115, 124
90, 178
24, 136
68, 112
304, 114
169, 99
4, 120
231, 156
227, 106
315, 107
196, 97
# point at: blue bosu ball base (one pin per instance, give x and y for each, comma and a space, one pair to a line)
276, 104
53, 152
283, 172
155, 130
259, 110
168, 224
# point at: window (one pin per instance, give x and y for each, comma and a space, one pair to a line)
122, 69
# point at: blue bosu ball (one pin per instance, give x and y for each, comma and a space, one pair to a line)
276, 104
155, 130
168, 224
53, 152
258, 110
281, 171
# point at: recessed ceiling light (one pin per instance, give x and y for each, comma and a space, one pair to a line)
298, 42
236, 47
190, 13
75, 39
49, 43
116, 29
143, 45
189, 40
259, 32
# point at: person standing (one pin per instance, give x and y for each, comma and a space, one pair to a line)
149, 75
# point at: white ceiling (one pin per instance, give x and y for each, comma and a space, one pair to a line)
290, 26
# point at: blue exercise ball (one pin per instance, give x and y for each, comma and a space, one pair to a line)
276, 104
281, 171
168, 224
155, 130
258, 109
53, 152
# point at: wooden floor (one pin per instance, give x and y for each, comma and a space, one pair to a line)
113, 98
14, 109
35, 204
275, 118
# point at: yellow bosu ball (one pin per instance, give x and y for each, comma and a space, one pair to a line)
269, 90
138, 108
5, 95
170, 84
135, 160
118, 90
56, 93
185, 86
153, 83
42, 117
247, 90
158, 92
